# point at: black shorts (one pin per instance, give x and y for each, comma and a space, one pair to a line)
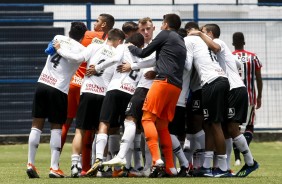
135, 105
114, 107
177, 126
237, 105
88, 111
194, 105
214, 100
51, 103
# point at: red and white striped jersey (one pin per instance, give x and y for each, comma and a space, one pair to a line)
249, 65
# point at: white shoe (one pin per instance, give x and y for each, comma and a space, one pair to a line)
116, 161
237, 162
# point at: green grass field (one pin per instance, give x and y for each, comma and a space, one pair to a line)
13, 160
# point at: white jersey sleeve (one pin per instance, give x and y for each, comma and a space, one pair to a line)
227, 62
58, 71
204, 59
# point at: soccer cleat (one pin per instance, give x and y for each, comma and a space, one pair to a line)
117, 173
75, 171
116, 161
31, 171
157, 170
246, 170
183, 172
94, 169
105, 174
218, 173
203, 172
237, 162
136, 173
56, 173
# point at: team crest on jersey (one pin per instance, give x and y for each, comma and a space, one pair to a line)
231, 112
196, 104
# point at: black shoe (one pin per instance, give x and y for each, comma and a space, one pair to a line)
246, 170
183, 172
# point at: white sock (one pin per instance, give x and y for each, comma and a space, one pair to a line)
200, 148
189, 151
93, 151
55, 145
33, 143
74, 159
177, 150
79, 165
127, 138
148, 157
222, 162
228, 143
241, 143
114, 144
128, 156
208, 159
137, 154
101, 143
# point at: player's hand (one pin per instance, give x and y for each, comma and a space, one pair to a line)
258, 103
90, 71
124, 67
150, 75
56, 44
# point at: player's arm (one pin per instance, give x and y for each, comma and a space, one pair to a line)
259, 87
153, 46
111, 61
126, 66
210, 43
79, 57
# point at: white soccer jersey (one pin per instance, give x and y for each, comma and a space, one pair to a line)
228, 64
58, 71
95, 54
185, 84
127, 81
204, 59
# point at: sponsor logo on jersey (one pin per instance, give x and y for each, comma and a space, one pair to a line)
97, 40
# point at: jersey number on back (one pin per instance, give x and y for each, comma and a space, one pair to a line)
56, 60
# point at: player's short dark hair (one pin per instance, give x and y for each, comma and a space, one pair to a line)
214, 28
116, 34
109, 19
190, 25
173, 21
77, 30
128, 27
238, 39
182, 32
136, 39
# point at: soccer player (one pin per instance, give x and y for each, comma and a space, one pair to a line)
195, 134
215, 87
102, 26
119, 92
237, 99
160, 102
93, 89
134, 110
50, 101
250, 71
